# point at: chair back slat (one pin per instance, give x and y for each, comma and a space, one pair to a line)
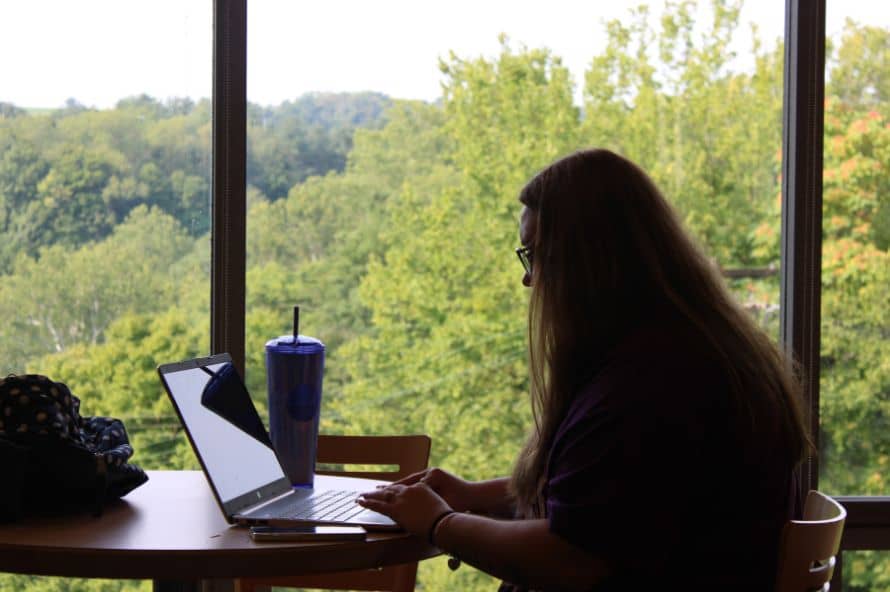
808, 547
410, 453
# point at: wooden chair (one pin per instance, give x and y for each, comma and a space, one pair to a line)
808, 547
410, 454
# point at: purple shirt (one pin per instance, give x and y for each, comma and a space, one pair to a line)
648, 472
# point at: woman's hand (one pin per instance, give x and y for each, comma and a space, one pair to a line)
414, 507
457, 493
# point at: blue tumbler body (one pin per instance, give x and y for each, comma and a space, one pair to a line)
294, 372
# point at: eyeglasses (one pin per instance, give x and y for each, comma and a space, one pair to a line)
525, 257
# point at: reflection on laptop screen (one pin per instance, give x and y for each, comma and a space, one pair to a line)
225, 428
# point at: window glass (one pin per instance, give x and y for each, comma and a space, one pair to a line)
385, 155
105, 127
866, 571
855, 349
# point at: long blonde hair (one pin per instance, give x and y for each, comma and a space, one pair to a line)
609, 248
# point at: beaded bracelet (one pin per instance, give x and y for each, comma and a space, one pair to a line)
453, 562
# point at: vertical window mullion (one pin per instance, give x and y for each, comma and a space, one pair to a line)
802, 202
228, 236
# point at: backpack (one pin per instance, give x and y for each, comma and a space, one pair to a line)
52, 460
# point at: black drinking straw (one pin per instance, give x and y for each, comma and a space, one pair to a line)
296, 324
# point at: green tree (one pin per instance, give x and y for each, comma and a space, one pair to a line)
63, 297
47, 584
856, 270
307, 137
859, 75
69, 209
708, 136
324, 232
21, 170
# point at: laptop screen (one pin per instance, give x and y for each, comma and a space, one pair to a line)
225, 430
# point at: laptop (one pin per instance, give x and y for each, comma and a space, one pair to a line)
237, 457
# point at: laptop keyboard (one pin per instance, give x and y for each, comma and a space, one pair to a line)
328, 505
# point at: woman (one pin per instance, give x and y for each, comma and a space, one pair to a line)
667, 425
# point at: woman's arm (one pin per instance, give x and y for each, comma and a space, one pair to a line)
491, 498
522, 552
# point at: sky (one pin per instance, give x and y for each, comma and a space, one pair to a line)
99, 51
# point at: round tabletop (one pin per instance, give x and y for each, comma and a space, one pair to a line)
172, 528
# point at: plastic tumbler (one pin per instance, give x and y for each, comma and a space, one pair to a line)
294, 372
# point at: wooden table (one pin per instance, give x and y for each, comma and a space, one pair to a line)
172, 531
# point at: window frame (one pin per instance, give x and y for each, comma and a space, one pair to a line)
228, 251
868, 520
868, 517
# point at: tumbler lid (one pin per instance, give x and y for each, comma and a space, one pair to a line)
286, 344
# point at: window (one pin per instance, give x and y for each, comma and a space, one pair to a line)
855, 275
855, 350
105, 190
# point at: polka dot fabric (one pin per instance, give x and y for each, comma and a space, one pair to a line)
34, 404
40, 422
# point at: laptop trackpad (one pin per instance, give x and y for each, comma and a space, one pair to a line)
375, 521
